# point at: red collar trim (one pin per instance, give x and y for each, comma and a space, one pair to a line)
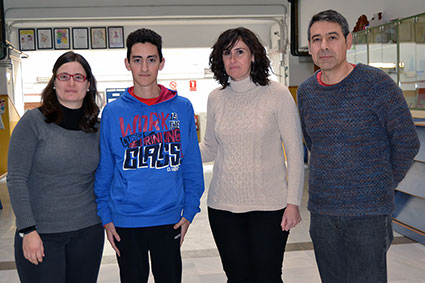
319, 78
164, 95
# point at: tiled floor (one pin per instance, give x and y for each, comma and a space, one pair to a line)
201, 264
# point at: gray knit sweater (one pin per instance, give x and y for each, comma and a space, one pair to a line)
51, 175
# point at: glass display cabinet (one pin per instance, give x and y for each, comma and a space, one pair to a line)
412, 57
383, 48
397, 48
358, 52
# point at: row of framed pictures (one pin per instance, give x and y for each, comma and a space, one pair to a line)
60, 38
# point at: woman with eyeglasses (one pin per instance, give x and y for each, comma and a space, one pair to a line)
53, 155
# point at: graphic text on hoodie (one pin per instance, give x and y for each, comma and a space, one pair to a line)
151, 141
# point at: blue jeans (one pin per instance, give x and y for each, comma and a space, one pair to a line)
351, 249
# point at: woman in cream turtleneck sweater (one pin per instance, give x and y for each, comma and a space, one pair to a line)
254, 196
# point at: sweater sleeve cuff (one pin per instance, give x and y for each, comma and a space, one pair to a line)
106, 217
294, 201
189, 213
28, 230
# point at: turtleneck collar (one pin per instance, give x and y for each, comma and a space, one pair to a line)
71, 118
242, 86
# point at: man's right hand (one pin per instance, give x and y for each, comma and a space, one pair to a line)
32, 246
112, 236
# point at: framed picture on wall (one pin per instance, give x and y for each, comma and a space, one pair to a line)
80, 38
98, 37
62, 38
44, 38
26, 39
116, 37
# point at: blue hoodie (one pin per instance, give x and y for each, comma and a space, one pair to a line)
150, 170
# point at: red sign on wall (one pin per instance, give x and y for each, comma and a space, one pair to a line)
173, 85
192, 85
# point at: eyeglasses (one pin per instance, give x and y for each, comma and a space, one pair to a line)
66, 77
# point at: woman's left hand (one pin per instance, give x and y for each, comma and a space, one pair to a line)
33, 248
291, 217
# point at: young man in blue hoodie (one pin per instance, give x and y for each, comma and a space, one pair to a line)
149, 180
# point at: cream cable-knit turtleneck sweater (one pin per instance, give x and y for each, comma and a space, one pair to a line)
246, 126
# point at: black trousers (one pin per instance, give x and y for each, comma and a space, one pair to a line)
70, 257
163, 245
251, 245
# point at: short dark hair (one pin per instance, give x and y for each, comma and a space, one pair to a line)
50, 106
259, 68
330, 16
144, 35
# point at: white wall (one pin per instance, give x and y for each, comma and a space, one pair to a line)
181, 66
182, 24
196, 23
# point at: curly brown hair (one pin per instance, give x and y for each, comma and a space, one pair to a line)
259, 68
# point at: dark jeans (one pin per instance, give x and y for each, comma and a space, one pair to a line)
251, 244
163, 245
351, 249
70, 257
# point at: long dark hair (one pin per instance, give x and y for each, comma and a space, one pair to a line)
51, 108
259, 68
